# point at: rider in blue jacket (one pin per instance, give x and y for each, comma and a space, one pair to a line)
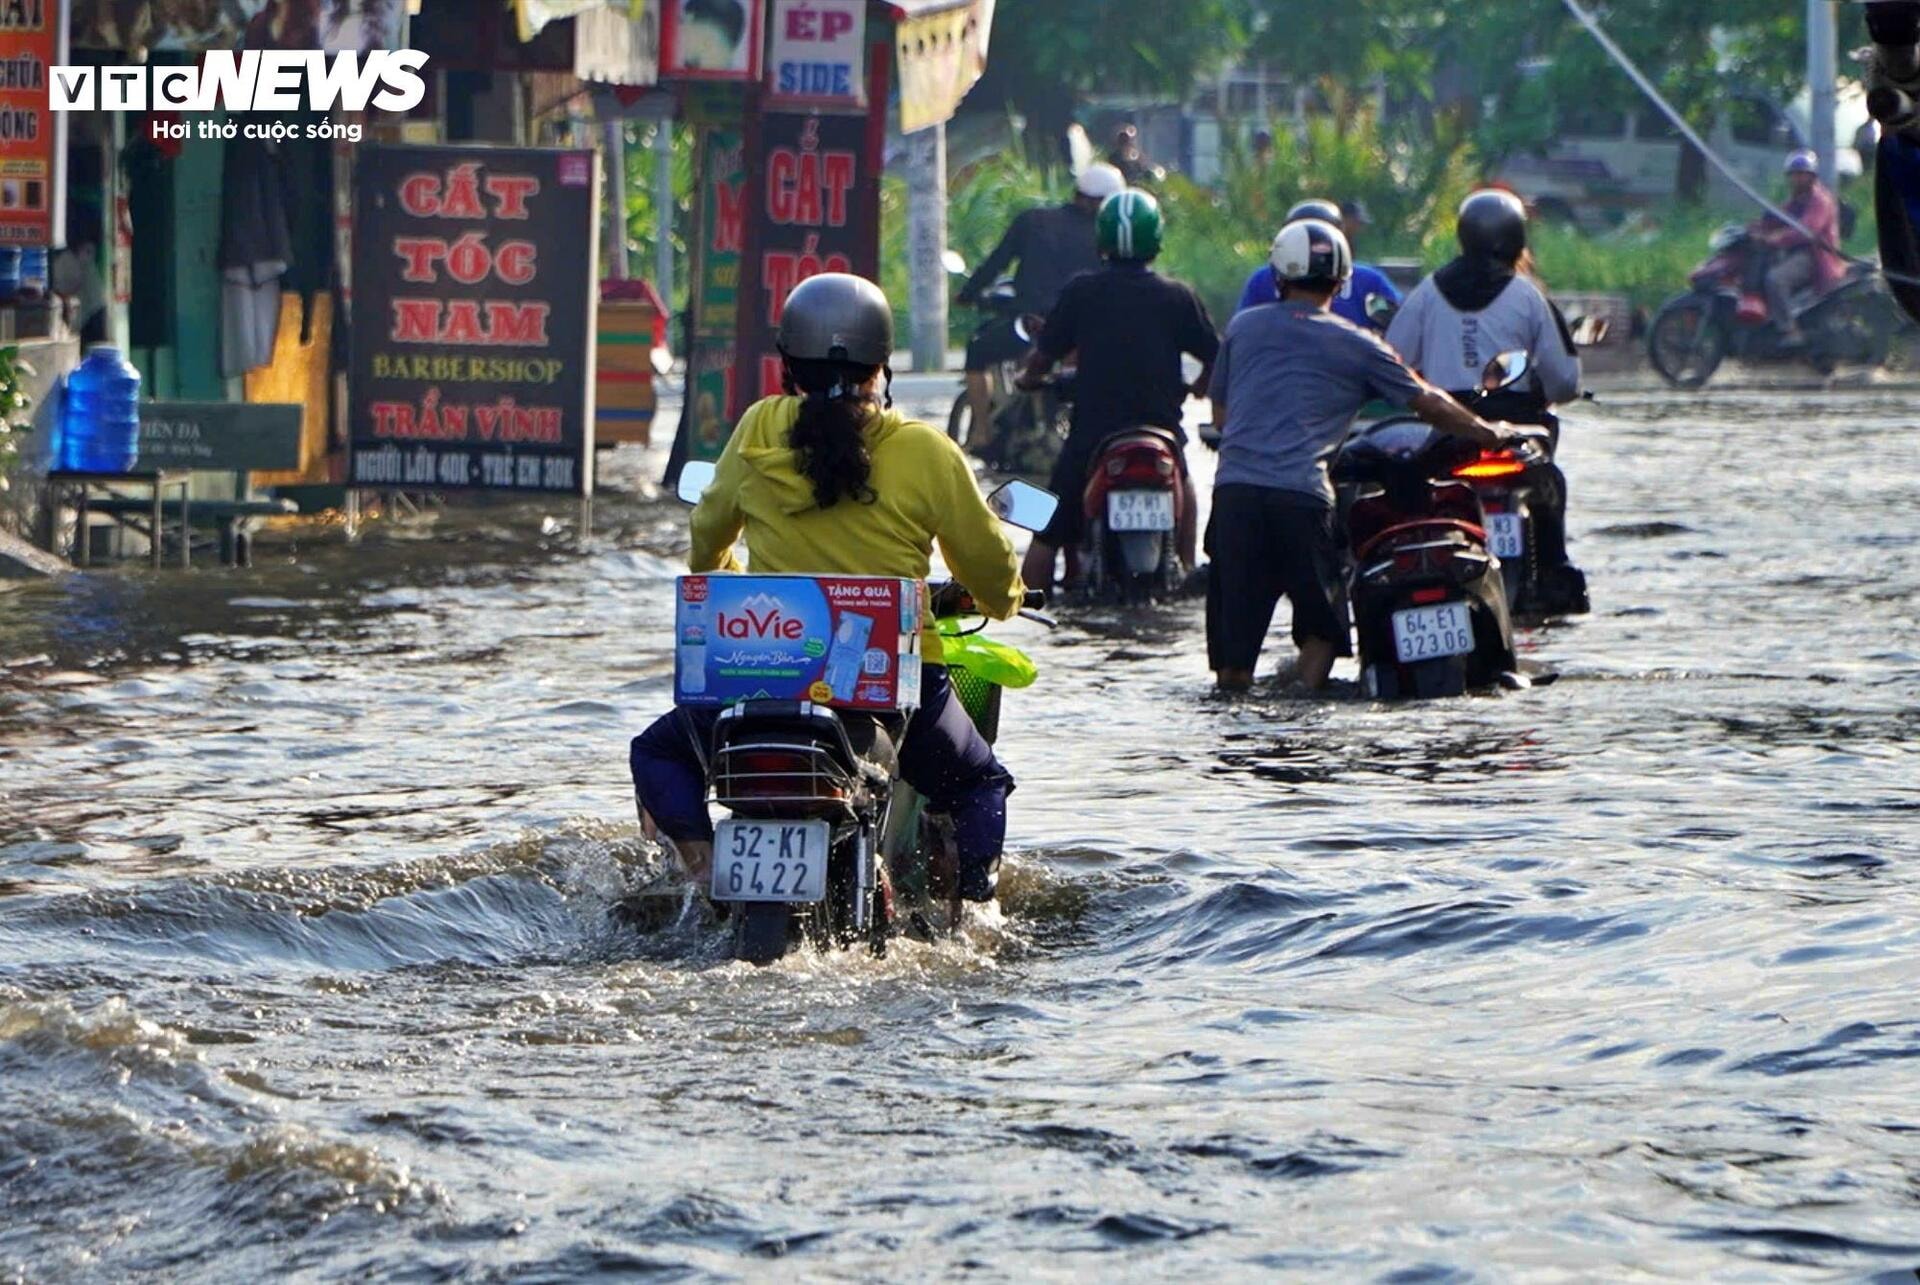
1367, 283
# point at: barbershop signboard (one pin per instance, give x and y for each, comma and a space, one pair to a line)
472, 354
812, 206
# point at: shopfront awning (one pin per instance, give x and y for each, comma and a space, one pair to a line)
940, 47
535, 14
194, 26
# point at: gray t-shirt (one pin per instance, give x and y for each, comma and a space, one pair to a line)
1293, 377
1451, 347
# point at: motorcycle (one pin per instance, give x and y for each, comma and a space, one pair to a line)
1428, 596
1134, 504
824, 844
1513, 482
1725, 314
1028, 429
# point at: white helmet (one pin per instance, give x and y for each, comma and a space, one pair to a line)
1099, 181
1312, 252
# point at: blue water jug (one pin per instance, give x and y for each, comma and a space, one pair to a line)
34, 269
100, 421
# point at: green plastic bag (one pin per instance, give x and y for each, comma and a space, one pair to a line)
994, 661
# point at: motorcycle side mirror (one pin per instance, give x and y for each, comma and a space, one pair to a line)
1380, 309
1024, 505
1020, 330
1504, 371
695, 477
955, 265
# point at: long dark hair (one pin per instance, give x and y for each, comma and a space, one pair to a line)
834, 408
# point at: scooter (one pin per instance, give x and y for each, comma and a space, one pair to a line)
1513, 483
1028, 429
1134, 504
1428, 596
1725, 314
824, 844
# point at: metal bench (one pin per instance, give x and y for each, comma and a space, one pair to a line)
177, 440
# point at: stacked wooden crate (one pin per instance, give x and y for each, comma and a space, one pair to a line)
632, 324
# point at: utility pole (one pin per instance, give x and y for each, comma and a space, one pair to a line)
663, 210
1822, 69
927, 244
615, 237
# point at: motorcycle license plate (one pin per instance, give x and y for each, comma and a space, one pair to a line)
1140, 510
1507, 535
771, 860
1428, 633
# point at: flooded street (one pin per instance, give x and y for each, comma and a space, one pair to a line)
309, 957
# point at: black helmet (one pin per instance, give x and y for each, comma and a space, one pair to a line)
1493, 224
837, 317
1325, 211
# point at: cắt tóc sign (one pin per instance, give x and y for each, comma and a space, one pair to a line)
812, 206
472, 361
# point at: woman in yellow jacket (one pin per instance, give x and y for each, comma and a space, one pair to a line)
830, 480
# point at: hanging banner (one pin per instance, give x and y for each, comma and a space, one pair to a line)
472, 361
33, 137
814, 207
613, 48
711, 39
715, 296
943, 54
195, 27
819, 55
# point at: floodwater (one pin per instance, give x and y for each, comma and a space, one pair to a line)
309, 959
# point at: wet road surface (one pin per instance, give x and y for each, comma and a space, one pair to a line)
309, 959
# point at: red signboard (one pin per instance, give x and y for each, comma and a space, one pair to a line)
472, 354
33, 40
812, 206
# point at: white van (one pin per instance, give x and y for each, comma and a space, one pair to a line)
1606, 162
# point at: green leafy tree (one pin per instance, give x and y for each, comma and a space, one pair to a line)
1048, 54
1534, 60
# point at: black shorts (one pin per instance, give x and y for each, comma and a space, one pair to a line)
1069, 482
1267, 543
993, 342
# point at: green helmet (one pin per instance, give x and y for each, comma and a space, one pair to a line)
1130, 226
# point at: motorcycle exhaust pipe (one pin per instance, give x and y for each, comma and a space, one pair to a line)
1894, 28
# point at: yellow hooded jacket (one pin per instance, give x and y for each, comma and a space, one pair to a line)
924, 492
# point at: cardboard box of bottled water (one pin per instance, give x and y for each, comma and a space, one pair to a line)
852, 642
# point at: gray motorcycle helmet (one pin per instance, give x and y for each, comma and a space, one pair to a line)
837, 317
1325, 211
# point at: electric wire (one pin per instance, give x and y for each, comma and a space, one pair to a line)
1679, 122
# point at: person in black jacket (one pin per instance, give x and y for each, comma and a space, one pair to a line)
1053, 245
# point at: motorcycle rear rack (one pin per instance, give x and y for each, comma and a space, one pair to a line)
817, 783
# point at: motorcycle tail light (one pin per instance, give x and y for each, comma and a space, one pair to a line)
1423, 597
764, 773
1491, 464
1151, 467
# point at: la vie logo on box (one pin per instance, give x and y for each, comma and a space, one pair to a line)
850, 641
